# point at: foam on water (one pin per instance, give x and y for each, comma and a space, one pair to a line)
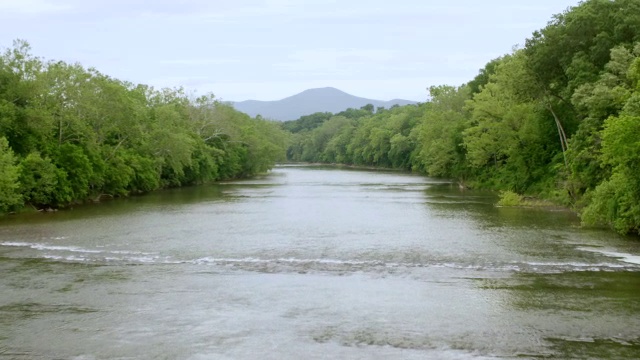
40, 246
625, 257
626, 262
295, 264
78, 254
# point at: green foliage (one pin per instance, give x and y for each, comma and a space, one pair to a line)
117, 176
70, 134
361, 137
9, 186
509, 139
145, 175
609, 94
586, 32
482, 79
616, 201
440, 133
510, 198
307, 122
38, 180
77, 167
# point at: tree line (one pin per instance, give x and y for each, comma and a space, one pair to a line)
558, 118
70, 134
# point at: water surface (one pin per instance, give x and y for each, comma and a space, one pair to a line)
315, 263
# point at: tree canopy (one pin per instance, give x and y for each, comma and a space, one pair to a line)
68, 134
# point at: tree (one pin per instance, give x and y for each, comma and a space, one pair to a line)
368, 108
39, 180
9, 186
616, 201
595, 101
441, 152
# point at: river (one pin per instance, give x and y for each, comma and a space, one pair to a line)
315, 263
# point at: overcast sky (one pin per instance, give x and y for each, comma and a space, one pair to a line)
270, 49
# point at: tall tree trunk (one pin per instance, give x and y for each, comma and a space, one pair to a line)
561, 134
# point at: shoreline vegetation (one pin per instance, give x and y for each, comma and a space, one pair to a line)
511, 199
339, 165
555, 123
71, 135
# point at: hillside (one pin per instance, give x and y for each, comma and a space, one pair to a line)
310, 101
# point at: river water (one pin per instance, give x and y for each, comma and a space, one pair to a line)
315, 263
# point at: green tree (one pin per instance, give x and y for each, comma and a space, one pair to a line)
39, 180
595, 101
441, 152
616, 201
9, 172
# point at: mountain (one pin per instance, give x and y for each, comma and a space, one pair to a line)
310, 101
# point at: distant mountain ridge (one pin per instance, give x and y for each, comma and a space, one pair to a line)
310, 101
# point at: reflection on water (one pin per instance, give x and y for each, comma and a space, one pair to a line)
315, 262
579, 314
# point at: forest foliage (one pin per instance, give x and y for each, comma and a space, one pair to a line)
70, 134
558, 118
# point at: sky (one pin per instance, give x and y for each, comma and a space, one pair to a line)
271, 49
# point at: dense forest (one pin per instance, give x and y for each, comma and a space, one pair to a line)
70, 134
558, 118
